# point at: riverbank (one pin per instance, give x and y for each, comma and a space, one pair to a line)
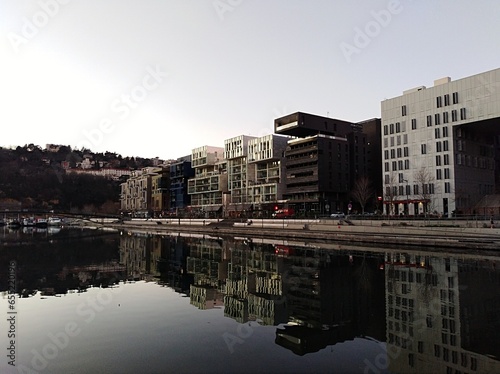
435, 234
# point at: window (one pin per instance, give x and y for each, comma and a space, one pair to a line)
437, 118
400, 164
454, 117
438, 174
386, 154
391, 128
413, 124
446, 159
446, 99
455, 97
437, 133
439, 102
405, 151
415, 192
386, 128
393, 153
392, 141
463, 114
398, 140
403, 110
399, 152
438, 146
386, 166
446, 173
423, 148
386, 142
447, 188
445, 132
438, 160
445, 117
429, 121
394, 165
445, 145
398, 127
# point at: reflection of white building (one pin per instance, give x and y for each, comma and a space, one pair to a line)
439, 144
424, 332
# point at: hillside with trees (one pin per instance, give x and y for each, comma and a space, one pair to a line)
36, 178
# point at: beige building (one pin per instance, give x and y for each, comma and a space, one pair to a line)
209, 184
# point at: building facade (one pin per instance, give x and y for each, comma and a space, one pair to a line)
267, 185
440, 145
180, 172
209, 184
239, 173
319, 166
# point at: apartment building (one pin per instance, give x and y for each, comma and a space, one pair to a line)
239, 173
180, 172
267, 185
209, 184
160, 191
319, 168
440, 145
135, 197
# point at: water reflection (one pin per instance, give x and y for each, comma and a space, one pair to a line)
430, 312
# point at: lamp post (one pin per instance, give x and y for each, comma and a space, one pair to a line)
407, 199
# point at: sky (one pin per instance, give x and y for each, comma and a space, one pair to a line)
157, 78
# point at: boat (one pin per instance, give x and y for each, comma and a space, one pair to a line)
41, 222
54, 221
14, 223
28, 222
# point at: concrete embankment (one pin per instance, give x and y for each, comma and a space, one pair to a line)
439, 234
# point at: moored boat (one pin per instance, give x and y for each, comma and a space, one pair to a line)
54, 221
41, 222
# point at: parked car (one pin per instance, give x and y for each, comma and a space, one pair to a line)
337, 215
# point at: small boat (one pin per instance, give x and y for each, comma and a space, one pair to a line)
41, 222
14, 223
54, 221
28, 222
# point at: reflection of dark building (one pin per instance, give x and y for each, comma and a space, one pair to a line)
441, 315
480, 307
331, 298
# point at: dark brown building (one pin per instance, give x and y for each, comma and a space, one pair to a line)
323, 161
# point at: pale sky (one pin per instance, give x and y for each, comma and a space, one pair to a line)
160, 77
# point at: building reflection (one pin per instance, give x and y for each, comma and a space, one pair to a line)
435, 312
442, 314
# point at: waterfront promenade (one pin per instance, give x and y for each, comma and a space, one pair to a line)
450, 234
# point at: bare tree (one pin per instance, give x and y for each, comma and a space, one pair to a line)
424, 179
362, 192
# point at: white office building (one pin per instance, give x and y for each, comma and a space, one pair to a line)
440, 145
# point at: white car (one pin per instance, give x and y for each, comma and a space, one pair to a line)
337, 215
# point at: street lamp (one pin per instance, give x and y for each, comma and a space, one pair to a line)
407, 199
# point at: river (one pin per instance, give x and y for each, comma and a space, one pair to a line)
95, 301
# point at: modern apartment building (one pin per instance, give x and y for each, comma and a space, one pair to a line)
319, 166
239, 172
266, 187
180, 172
440, 145
209, 184
160, 192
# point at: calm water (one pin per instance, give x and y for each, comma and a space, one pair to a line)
103, 302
